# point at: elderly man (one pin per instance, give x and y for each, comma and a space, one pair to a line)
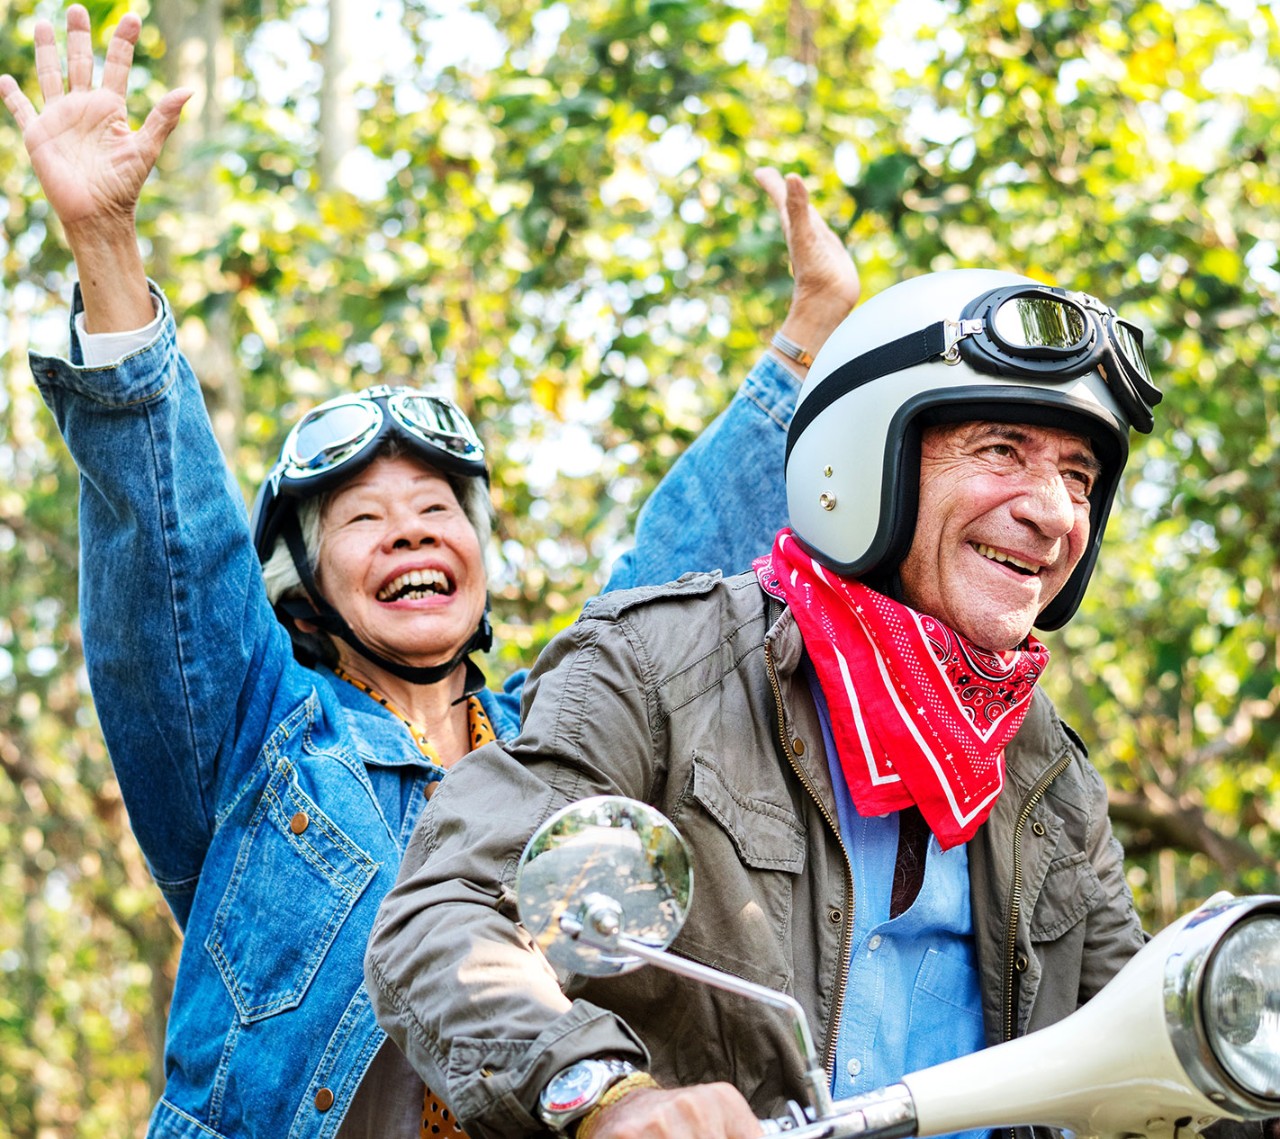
887, 819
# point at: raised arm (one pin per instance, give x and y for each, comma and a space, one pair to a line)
827, 285
721, 504
182, 650
92, 165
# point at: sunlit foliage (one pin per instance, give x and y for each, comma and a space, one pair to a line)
548, 208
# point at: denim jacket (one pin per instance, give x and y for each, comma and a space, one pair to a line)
273, 803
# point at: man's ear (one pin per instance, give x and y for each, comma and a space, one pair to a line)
305, 626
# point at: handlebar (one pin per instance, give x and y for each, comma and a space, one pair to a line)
888, 1113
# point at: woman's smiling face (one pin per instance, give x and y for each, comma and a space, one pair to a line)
401, 562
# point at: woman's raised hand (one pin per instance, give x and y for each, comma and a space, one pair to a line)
91, 165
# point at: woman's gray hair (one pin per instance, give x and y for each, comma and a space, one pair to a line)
280, 575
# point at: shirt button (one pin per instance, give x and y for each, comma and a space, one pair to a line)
324, 1099
853, 1067
873, 942
298, 824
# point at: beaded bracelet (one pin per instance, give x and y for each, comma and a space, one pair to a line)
623, 1087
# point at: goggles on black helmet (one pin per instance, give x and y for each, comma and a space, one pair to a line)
1027, 331
332, 443
336, 439
338, 432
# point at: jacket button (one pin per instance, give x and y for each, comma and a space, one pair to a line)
797, 746
1020, 962
1037, 828
298, 824
324, 1099
835, 917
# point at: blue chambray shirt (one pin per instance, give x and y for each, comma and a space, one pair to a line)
912, 999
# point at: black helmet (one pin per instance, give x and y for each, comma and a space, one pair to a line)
945, 347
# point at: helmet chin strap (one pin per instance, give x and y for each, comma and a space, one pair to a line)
326, 617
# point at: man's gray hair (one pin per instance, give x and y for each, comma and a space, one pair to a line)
280, 575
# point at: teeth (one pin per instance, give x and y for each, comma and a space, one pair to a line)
1008, 559
413, 585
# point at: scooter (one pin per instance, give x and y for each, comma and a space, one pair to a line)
1187, 1033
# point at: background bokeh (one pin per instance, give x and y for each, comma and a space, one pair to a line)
547, 208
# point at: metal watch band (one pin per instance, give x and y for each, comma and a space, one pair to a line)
575, 1090
791, 350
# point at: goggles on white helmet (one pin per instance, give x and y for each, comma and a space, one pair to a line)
1005, 348
1027, 331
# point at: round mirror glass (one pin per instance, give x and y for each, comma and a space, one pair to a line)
601, 863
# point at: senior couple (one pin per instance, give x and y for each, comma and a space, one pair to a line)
889, 820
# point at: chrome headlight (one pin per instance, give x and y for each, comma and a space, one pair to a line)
1222, 1004
1242, 1004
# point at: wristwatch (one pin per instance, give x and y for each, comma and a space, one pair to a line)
575, 1090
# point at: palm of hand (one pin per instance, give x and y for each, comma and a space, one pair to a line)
87, 159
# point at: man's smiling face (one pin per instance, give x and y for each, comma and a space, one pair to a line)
1003, 523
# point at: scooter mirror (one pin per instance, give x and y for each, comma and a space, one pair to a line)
612, 865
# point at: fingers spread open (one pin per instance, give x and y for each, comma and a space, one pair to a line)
161, 121
115, 72
19, 105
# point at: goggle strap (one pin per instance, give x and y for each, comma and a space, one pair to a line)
905, 352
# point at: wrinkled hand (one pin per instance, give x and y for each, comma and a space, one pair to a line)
707, 1111
827, 285
91, 165
820, 263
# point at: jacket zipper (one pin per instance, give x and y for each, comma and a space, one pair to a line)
846, 935
1015, 894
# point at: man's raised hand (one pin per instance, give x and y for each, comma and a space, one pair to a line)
827, 285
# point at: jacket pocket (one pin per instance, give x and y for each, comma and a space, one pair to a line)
749, 852
295, 880
1071, 889
765, 835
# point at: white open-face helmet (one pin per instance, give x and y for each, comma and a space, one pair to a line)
966, 344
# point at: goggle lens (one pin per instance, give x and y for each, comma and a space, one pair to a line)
1039, 322
441, 422
330, 435
1129, 340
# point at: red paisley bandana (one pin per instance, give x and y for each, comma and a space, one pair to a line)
919, 714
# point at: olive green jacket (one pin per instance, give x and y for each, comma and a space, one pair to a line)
690, 697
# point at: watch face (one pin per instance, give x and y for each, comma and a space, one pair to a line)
574, 1086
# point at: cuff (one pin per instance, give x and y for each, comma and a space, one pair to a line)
106, 349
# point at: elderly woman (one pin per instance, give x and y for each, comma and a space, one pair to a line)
275, 746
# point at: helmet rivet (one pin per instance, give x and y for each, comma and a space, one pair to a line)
826, 471
827, 500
